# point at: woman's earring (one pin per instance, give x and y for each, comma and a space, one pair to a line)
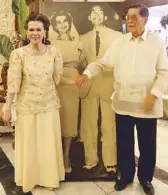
28, 40
44, 39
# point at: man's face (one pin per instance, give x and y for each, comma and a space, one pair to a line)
135, 22
97, 16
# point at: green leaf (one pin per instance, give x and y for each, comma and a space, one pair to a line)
20, 9
23, 13
6, 46
15, 7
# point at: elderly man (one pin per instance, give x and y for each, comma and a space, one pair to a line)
140, 68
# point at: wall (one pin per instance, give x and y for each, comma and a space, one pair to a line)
7, 27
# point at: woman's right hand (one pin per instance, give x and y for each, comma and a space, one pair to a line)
7, 117
70, 80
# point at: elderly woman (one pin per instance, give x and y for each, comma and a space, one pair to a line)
34, 71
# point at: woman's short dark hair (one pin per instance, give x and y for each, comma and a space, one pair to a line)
60, 13
143, 9
41, 18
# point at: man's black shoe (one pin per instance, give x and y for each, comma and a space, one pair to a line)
148, 188
121, 184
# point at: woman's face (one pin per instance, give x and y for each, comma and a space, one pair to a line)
62, 24
35, 32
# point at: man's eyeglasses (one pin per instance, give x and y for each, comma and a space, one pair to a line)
131, 17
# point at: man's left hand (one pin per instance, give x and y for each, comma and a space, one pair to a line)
149, 102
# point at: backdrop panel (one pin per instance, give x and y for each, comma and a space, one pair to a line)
73, 31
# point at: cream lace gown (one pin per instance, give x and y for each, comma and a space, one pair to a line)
38, 157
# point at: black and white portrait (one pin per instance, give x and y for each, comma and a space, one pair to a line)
83, 32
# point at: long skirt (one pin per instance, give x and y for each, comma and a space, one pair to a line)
38, 147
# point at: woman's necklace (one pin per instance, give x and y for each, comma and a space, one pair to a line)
37, 51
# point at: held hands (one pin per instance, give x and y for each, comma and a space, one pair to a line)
149, 102
7, 117
81, 80
69, 80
